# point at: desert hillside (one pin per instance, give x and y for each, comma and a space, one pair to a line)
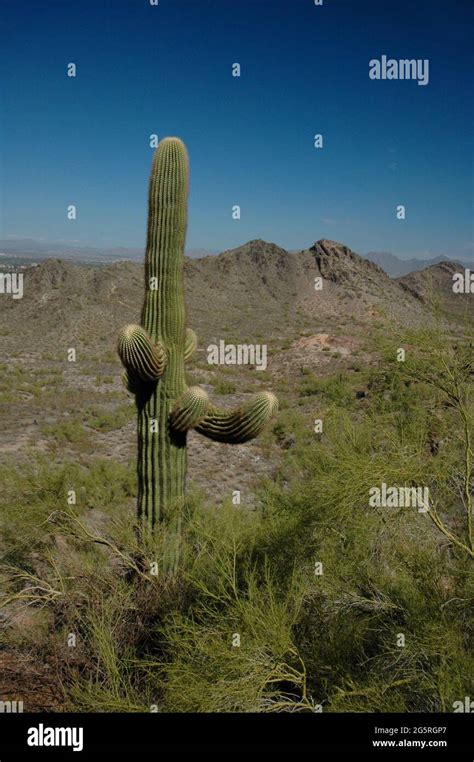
257, 293
257, 288
331, 357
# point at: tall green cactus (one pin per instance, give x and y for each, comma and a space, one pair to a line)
154, 353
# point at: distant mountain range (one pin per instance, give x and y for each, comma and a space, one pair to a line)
30, 248
33, 249
396, 267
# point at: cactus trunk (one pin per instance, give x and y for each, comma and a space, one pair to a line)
154, 354
162, 451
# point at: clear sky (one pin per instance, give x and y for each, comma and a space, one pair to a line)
167, 69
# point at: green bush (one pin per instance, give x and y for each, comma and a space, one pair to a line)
225, 387
314, 599
103, 420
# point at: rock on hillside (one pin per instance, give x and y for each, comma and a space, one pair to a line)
354, 289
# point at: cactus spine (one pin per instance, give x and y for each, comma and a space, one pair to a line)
154, 353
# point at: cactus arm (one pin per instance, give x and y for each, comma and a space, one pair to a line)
190, 344
190, 409
139, 355
241, 425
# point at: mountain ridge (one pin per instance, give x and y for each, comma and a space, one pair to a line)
257, 289
31, 250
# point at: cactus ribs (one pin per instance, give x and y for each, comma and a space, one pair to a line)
154, 354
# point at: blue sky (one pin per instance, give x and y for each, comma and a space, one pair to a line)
304, 70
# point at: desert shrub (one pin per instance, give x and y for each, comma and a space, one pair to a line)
335, 602
33, 494
332, 389
223, 386
104, 420
66, 431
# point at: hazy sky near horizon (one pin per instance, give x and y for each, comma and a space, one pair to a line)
167, 69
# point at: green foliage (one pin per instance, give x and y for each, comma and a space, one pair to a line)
109, 420
225, 387
318, 585
334, 389
66, 431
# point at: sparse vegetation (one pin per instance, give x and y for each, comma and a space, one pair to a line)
223, 386
110, 420
307, 635
66, 431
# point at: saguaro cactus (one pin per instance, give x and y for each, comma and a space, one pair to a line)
154, 353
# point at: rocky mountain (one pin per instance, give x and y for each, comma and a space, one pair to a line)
255, 290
